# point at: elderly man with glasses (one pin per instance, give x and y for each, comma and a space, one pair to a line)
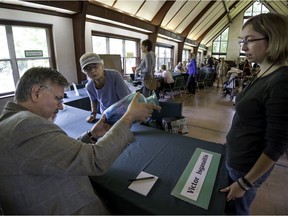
43, 171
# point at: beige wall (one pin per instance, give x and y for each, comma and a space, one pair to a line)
233, 48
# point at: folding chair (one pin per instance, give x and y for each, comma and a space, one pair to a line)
201, 79
178, 86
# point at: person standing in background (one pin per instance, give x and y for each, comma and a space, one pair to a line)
259, 132
210, 61
247, 68
105, 86
192, 71
221, 71
147, 65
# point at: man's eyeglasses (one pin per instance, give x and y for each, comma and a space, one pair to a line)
90, 67
248, 41
57, 98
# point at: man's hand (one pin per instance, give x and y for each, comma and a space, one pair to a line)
91, 118
100, 128
138, 111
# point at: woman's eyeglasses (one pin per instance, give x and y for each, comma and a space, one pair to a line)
248, 41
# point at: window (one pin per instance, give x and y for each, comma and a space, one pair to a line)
186, 55
164, 55
256, 8
128, 48
219, 47
22, 47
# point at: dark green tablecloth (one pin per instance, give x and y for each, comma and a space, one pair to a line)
156, 152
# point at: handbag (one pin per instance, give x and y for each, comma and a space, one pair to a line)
178, 125
150, 82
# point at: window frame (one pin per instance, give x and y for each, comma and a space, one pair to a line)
8, 24
123, 56
221, 41
158, 58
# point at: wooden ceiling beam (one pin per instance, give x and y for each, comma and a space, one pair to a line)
227, 11
107, 13
158, 18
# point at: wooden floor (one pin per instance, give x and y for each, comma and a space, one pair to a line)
209, 118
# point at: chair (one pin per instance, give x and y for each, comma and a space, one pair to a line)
186, 76
201, 79
209, 79
178, 86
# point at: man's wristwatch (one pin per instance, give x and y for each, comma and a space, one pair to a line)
93, 113
91, 136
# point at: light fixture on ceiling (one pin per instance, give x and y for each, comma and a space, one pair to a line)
117, 23
169, 38
37, 6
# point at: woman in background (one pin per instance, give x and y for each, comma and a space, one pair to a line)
147, 65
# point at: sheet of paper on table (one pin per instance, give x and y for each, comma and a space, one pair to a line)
143, 186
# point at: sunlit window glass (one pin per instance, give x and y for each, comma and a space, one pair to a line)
29, 38
22, 47
24, 65
116, 46
131, 55
99, 45
164, 56
126, 48
6, 77
219, 46
4, 54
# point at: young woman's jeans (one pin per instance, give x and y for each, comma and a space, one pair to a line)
241, 206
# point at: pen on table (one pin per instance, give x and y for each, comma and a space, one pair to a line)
137, 179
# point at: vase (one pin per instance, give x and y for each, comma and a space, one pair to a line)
117, 110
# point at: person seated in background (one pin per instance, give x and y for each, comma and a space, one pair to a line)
167, 75
105, 86
158, 73
168, 81
43, 171
179, 68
